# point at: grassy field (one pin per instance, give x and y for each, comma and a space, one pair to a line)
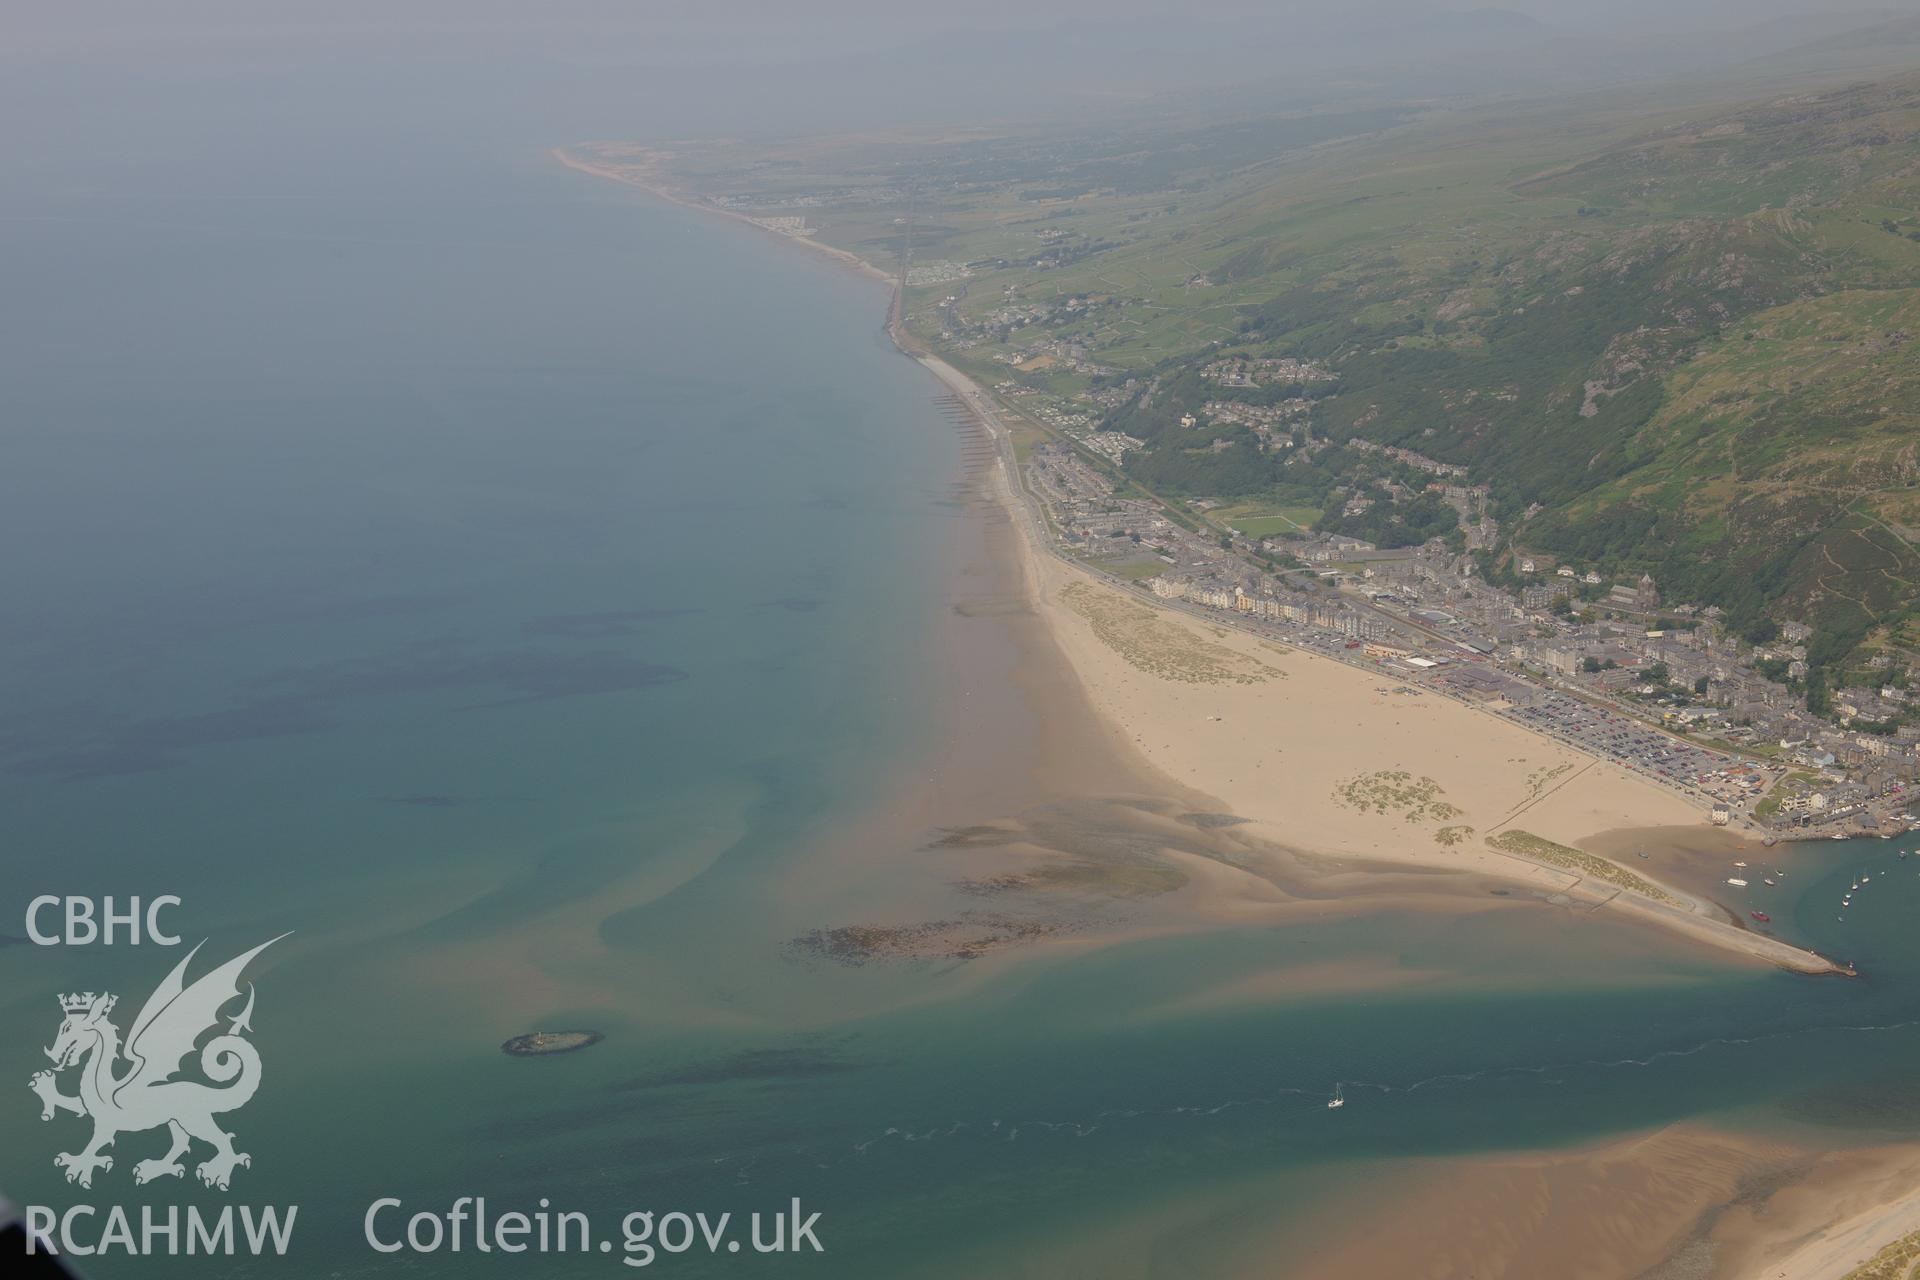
1760, 750
1132, 568
1770, 803
1263, 520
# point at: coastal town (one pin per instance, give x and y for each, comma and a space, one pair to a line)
1730, 715
1662, 688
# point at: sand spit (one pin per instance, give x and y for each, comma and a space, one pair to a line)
1328, 759
1322, 758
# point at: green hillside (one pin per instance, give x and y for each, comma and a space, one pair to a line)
1691, 349
1669, 327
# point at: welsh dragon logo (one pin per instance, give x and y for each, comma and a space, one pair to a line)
144, 1093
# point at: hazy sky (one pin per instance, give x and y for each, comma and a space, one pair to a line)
560, 70
799, 28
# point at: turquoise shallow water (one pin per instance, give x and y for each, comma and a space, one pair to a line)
395, 566
463, 563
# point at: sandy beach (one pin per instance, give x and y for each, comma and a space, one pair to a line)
1198, 775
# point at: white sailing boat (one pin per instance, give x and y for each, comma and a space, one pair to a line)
1337, 1101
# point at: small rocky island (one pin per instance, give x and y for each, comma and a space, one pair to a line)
537, 1043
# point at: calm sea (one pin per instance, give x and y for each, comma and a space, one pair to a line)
508, 585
